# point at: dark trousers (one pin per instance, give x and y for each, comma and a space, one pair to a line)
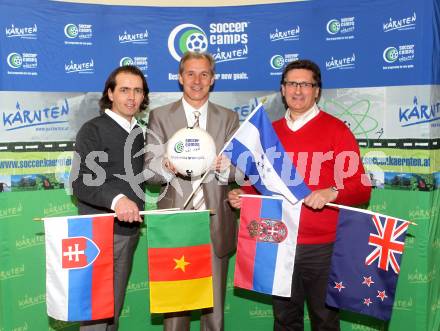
309, 284
123, 251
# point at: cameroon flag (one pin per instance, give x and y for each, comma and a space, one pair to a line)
179, 261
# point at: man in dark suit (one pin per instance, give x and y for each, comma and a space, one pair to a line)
104, 172
196, 76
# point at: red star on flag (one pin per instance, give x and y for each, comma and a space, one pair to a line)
367, 301
339, 286
368, 281
381, 295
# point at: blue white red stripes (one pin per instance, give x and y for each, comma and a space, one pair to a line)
79, 268
266, 245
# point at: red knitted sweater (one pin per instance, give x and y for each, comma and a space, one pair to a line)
317, 148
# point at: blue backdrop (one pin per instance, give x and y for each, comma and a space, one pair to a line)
51, 46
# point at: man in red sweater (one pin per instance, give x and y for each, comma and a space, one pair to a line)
326, 153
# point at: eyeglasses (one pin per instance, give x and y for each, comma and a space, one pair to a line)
303, 85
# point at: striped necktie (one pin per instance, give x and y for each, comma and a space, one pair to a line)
196, 119
198, 198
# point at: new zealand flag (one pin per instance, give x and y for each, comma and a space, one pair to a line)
366, 263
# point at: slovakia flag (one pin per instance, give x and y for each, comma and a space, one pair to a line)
266, 244
79, 267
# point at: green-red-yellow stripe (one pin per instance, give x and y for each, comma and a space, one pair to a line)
179, 260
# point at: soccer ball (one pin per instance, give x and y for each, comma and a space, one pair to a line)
197, 42
192, 151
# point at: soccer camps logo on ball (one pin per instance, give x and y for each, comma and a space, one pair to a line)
191, 150
187, 37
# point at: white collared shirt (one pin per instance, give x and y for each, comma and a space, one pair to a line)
297, 124
223, 175
123, 123
190, 119
189, 113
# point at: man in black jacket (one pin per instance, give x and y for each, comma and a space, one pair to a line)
105, 172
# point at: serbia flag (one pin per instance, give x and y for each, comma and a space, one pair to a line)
79, 267
266, 244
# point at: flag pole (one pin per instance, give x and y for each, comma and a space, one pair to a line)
365, 211
196, 188
144, 212
220, 153
241, 126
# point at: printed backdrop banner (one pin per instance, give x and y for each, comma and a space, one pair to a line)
251, 44
379, 68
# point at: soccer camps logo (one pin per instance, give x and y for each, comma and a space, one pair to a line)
126, 61
71, 31
341, 28
186, 37
277, 62
78, 34
22, 63
139, 61
390, 54
14, 60
333, 26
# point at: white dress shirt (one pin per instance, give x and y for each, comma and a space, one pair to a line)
297, 124
189, 113
198, 198
123, 123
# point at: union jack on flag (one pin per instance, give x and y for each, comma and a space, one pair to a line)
386, 242
361, 279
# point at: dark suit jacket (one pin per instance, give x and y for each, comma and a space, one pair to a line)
221, 124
